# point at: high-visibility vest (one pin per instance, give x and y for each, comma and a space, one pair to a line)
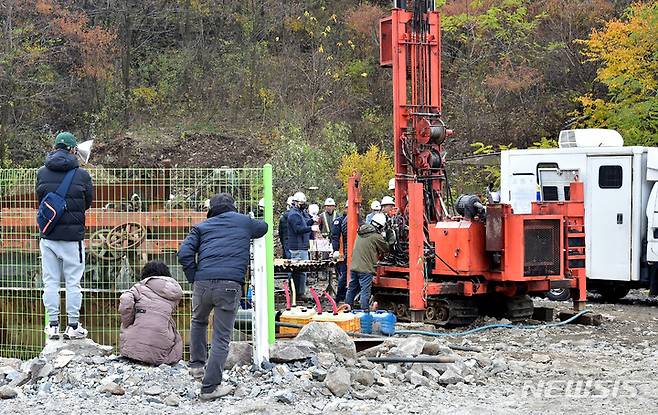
327, 221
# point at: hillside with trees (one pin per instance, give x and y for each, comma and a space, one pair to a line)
298, 83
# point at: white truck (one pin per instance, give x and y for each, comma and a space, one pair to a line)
621, 203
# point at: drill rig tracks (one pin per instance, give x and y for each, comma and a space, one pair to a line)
448, 311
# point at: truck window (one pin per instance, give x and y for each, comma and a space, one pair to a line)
549, 193
610, 177
545, 166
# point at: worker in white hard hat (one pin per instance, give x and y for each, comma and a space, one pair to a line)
387, 204
300, 226
375, 207
283, 229
328, 217
371, 243
391, 184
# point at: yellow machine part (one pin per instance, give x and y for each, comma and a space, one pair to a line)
296, 315
346, 321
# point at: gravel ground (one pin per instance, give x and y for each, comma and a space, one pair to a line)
604, 369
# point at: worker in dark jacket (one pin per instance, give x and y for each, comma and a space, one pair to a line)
300, 226
339, 244
215, 256
283, 230
63, 249
369, 246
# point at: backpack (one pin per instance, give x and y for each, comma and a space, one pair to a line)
53, 205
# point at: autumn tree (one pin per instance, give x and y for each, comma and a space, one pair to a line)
626, 52
375, 167
48, 55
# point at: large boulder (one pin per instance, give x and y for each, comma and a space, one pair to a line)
291, 351
239, 354
329, 337
84, 347
338, 381
9, 362
451, 376
7, 392
409, 347
363, 376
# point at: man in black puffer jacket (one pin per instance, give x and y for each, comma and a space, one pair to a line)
63, 250
215, 256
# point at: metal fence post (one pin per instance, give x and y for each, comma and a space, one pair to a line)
269, 247
260, 304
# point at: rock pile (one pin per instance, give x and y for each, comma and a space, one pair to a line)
319, 366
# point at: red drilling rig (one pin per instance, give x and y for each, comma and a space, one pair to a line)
453, 262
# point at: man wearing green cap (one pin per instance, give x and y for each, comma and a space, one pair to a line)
62, 249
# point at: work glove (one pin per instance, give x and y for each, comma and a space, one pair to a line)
315, 228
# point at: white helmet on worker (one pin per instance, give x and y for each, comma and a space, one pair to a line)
391, 184
387, 201
313, 209
289, 201
261, 204
378, 220
299, 197
330, 202
376, 206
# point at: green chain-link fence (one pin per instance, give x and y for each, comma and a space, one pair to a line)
137, 215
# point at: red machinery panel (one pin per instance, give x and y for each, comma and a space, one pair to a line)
459, 247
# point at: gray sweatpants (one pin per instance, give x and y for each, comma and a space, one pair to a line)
222, 296
62, 260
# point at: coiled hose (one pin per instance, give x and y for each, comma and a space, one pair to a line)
493, 326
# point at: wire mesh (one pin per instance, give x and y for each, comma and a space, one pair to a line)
137, 215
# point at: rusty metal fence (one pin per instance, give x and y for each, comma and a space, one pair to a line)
137, 215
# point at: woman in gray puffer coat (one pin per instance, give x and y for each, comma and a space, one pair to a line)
148, 331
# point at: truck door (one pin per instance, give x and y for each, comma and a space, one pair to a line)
608, 216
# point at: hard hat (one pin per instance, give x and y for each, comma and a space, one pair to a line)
66, 138
347, 204
261, 203
313, 209
379, 220
391, 184
299, 197
84, 150
387, 200
375, 206
289, 201
330, 202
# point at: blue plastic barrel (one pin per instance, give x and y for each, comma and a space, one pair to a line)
365, 319
384, 322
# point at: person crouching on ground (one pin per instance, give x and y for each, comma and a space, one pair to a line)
148, 331
215, 257
371, 243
